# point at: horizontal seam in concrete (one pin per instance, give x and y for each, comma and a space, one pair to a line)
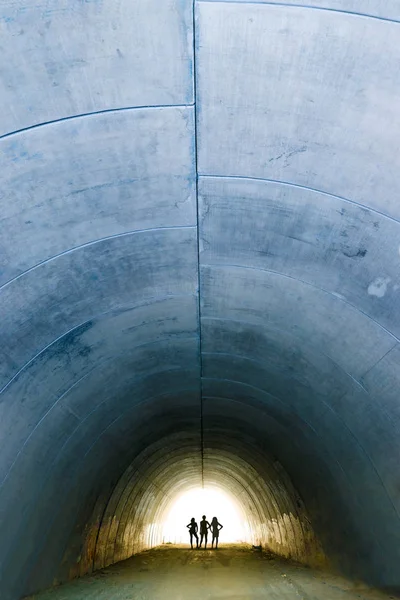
261, 270
301, 187
98, 241
150, 300
306, 6
94, 113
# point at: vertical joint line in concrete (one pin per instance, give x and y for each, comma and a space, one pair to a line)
198, 240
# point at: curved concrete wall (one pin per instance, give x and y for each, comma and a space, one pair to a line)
199, 243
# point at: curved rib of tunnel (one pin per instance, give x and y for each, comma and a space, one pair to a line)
200, 278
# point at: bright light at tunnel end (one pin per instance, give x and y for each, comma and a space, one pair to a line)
209, 501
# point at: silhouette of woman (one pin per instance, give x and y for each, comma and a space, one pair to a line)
193, 532
204, 527
215, 529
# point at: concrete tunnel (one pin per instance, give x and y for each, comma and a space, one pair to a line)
200, 270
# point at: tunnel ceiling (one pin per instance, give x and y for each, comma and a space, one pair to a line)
200, 259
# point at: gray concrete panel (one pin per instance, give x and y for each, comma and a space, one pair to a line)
293, 361
302, 96
336, 246
114, 334
76, 181
346, 335
92, 56
61, 294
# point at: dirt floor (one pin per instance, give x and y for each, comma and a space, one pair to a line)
233, 572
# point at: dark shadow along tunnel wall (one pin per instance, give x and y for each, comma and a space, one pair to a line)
198, 228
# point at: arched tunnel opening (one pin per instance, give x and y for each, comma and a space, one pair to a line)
211, 500
199, 245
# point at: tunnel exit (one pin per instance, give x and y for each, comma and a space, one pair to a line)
211, 502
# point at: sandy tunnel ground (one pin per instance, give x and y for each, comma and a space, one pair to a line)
234, 572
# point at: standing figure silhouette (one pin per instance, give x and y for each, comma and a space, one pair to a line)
204, 527
193, 532
215, 529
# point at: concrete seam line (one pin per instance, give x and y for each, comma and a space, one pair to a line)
305, 6
93, 114
98, 241
301, 187
194, 79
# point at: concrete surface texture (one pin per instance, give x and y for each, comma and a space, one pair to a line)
200, 254
233, 572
